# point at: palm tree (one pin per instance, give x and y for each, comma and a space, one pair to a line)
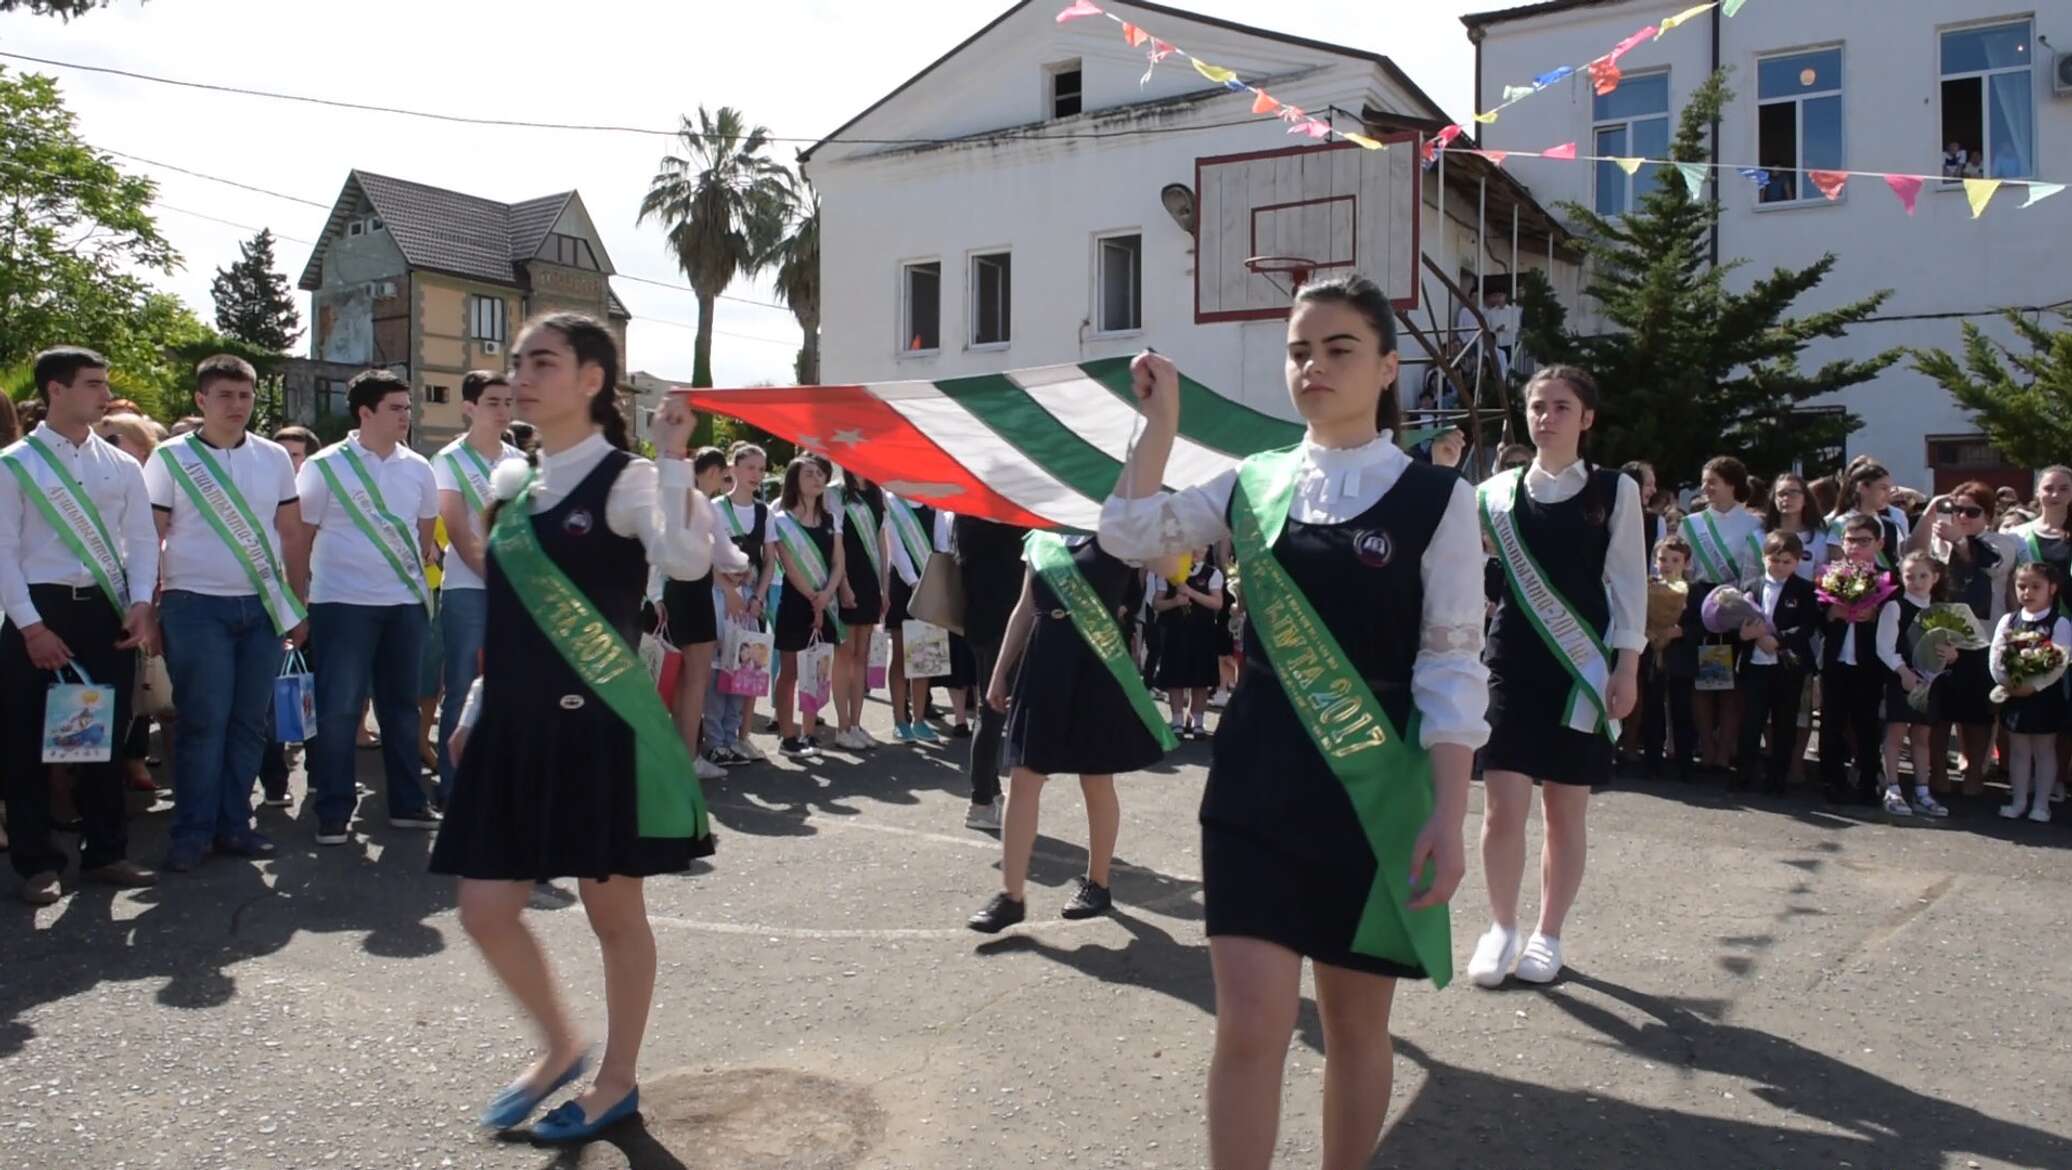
711, 196
794, 252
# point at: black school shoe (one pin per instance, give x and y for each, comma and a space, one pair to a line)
999, 914
798, 746
1090, 902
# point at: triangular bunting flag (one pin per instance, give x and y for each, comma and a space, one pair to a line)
1215, 73
1134, 36
1756, 175
1292, 113
1693, 177
1487, 118
1429, 151
1363, 140
1311, 127
1980, 192
1079, 9
1629, 165
2038, 192
1515, 93
1630, 43
1565, 150
1264, 104
1686, 14
1733, 6
1605, 76
1158, 51
1829, 182
1551, 76
1448, 133
1495, 156
1907, 187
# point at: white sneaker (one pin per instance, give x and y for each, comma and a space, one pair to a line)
2009, 812
1896, 805
984, 816
1541, 961
854, 740
1926, 804
749, 751
866, 740
1495, 954
707, 770
2041, 813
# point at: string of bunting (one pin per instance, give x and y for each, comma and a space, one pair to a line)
1604, 75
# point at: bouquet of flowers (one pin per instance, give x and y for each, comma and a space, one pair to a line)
1943, 627
2029, 659
1666, 601
1727, 609
1857, 587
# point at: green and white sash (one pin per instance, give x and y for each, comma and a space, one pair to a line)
907, 526
1566, 633
806, 555
1715, 553
2034, 548
471, 472
865, 526
669, 802
361, 498
1387, 777
725, 504
1053, 561
71, 513
216, 498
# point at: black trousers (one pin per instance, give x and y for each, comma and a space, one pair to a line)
90, 627
1769, 701
1850, 697
1666, 705
984, 765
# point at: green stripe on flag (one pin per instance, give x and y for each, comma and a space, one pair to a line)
1206, 417
1010, 413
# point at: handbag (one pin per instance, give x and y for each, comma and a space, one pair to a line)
152, 695
294, 701
78, 719
939, 597
663, 660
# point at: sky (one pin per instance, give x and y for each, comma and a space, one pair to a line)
799, 67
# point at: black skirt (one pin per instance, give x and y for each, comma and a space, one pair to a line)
896, 612
2042, 713
795, 629
1069, 714
1187, 652
1899, 711
869, 601
692, 620
1963, 694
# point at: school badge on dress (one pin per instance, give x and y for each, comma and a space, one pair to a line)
1373, 548
578, 522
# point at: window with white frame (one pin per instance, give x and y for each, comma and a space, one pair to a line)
1798, 121
1119, 283
1988, 102
1065, 81
992, 304
486, 321
1631, 121
435, 393
920, 306
573, 252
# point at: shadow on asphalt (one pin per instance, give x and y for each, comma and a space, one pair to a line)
1471, 1119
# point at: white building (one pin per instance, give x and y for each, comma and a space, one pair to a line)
1014, 237
1872, 85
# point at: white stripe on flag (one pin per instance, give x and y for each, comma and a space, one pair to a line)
990, 459
1095, 414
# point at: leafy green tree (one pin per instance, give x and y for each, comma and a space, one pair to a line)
62, 9
794, 253
2021, 401
253, 302
1688, 368
715, 197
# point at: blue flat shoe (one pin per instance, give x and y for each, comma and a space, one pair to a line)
511, 1107
565, 1125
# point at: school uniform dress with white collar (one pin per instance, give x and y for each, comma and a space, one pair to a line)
42, 581
1896, 641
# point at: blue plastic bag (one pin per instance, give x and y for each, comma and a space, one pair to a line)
294, 701
78, 720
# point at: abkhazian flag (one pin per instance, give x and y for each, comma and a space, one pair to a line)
1038, 448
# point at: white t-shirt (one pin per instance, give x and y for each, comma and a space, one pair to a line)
457, 573
344, 566
197, 560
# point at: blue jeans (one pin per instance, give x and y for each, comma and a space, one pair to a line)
223, 655
723, 712
358, 648
463, 618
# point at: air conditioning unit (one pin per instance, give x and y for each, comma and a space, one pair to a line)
2061, 75
492, 347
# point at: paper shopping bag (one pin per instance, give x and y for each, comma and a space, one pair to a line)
78, 720
294, 701
746, 665
663, 660
1715, 668
927, 649
881, 658
816, 676
152, 695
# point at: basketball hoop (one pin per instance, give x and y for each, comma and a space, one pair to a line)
1288, 273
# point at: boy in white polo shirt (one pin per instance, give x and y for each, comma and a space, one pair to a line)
462, 469
222, 497
372, 501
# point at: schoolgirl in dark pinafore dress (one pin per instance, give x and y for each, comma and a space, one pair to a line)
1283, 855
795, 611
1068, 714
902, 593
1528, 686
546, 788
1897, 708
862, 573
2045, 712
1188, 648
1963, 694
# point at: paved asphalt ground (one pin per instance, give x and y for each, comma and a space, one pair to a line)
1759, 984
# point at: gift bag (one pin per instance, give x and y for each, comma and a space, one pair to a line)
746, 664
1715, 668
881, 658
663, 660
927, 649
939, 595
294, 701
152, 695
78, 720
816, 676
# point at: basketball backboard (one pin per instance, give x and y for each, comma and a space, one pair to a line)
1342, 207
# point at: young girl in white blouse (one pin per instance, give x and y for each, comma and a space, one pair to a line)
1922, 581
2034, 718
1331, 822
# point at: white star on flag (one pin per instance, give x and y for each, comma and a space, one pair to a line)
849, 436
810, 442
